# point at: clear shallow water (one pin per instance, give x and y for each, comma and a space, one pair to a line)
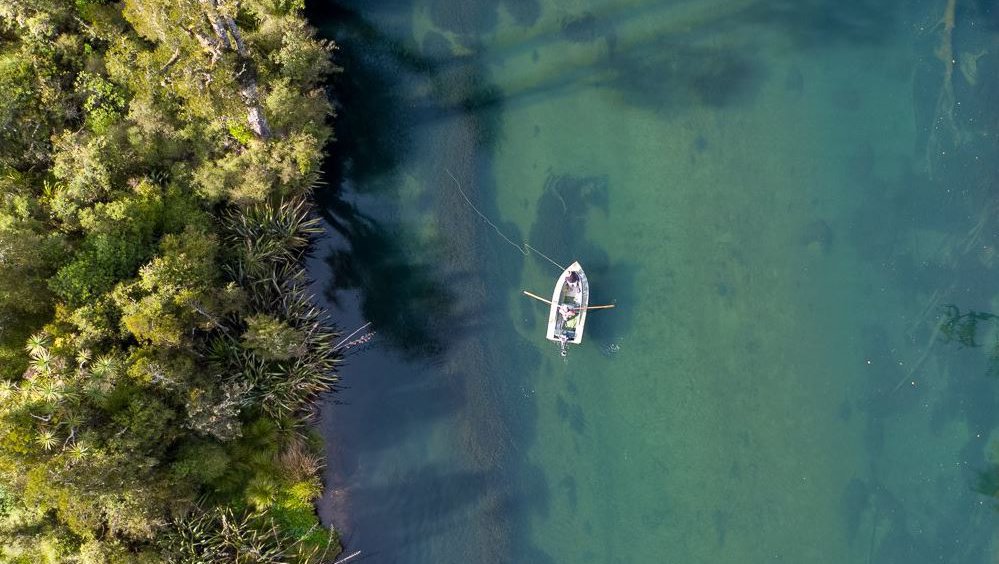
781, 198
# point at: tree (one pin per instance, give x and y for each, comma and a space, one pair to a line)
205, 34
155, 165
93, 272
176, 293
27, 259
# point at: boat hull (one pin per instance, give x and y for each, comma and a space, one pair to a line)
575, 299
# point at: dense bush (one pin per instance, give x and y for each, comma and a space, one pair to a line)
159, 350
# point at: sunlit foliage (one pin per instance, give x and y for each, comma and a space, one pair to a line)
159, 350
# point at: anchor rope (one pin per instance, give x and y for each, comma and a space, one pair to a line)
525, 249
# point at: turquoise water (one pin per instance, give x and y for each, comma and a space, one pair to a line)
786, 200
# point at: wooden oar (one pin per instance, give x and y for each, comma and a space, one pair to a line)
526, 293
537, 297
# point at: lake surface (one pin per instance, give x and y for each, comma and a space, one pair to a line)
793, 205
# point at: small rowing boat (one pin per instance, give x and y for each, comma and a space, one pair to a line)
568, 307
567, 316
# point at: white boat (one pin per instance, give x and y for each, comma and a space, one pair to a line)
567, 317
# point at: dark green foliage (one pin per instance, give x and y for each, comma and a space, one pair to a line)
158, 345
29, 259
101, 263
200, 461
104, 101
18, 100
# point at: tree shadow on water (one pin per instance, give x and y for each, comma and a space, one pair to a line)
481, 16
666, 75
395, 117
441, 502
820, 23
430, 499
372, 132
716, 63
398, 412
403, 301
388, 88
406, 302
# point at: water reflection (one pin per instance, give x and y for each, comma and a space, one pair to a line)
428, 466
374, 140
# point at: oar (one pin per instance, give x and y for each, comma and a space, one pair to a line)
526, 293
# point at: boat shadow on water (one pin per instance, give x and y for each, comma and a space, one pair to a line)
560, 227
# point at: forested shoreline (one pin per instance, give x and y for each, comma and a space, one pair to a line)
159, 350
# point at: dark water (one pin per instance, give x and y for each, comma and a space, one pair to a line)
793, 206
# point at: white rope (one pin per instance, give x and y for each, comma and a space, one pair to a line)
523, 249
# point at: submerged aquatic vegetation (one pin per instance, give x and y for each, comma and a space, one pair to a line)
962, 327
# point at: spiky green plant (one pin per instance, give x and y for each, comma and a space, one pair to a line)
7, 390
78, 451
83, 357
104, 366
46, 439
221, 535
264, 237
71, 417
48, 391
41, 361
288, 225
277, 288
37, 344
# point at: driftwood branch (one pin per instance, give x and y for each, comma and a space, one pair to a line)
173, 59
215, 21
229, 38
237, 38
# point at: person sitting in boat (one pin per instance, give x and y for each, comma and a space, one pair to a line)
571, 323
569, 316
574, 287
